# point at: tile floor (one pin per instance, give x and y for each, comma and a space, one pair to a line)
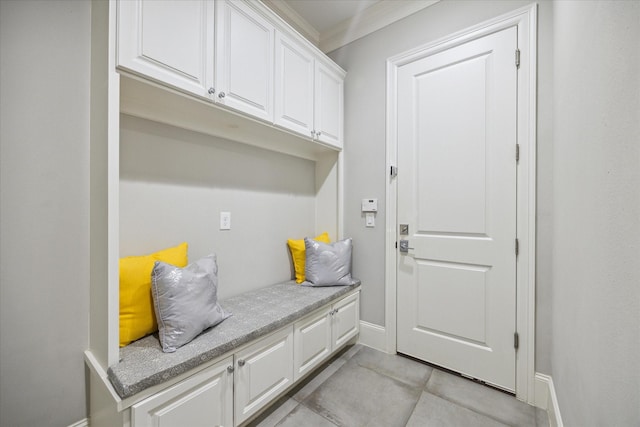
365, 387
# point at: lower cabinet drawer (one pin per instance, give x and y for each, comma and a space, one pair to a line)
262, 371
312, 340
205, 399
346, 319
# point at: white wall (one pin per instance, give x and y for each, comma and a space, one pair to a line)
596, 213
174, 183
44, 170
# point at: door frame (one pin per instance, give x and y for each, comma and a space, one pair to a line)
525, 19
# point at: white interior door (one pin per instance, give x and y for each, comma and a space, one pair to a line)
456, 285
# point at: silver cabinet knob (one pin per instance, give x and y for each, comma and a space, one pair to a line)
222, 95
230, 369
241, 362
211, 91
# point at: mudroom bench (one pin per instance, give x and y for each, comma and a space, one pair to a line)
226, 375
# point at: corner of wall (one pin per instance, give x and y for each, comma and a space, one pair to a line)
546, 398
372, 335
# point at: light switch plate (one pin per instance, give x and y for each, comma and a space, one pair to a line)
370, 219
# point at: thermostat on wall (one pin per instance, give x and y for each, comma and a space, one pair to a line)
369, 205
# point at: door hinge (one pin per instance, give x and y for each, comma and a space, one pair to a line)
516, 340
517, 247
517, 152
517, 58
394, 171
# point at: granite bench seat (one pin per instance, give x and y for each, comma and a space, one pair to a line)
143, 364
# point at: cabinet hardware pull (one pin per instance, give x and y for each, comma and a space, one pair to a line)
241, 362
222, 95
230, 369
211, 91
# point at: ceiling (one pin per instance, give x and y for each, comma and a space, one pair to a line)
326, 14
331, 24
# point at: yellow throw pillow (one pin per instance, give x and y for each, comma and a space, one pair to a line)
137, 317
298, 254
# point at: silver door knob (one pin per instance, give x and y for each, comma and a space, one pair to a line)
241, 362
211, 91
230, 369
404, 246
222, 95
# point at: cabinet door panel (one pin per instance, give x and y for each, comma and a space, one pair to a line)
346, 320
329, 92
244, 56
202, 400
263, 370
294, 86
169, 41
312, 338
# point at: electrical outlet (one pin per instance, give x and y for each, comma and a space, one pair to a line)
225, 220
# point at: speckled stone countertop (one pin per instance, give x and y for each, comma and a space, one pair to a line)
256, 313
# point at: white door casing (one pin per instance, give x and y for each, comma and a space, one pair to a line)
457, 194
524, 20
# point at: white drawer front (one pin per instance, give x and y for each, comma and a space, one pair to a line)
204, 399
262, 371
312, 337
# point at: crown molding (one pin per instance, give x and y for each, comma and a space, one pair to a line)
294, 19
371, 19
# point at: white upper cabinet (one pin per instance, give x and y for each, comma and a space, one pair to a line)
294, 86
169, 41
329, 105
237, 54
244, 59
309, 94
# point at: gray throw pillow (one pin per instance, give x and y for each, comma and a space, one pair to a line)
185, 300
327, 264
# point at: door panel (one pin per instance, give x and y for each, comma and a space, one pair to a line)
457, 192
168, 41
204, 399
245, 52
263, 371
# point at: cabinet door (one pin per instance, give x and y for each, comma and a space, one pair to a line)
263, 370
168, 41
294, 86
244, 58
346, 319
312, 340
204, 399
329, 92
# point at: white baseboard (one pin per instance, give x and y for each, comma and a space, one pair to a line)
81, 423
545, 398
373, 336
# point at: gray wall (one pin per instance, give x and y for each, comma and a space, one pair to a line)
365, 106
44, 189
595, 352
174, 184
588, 189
